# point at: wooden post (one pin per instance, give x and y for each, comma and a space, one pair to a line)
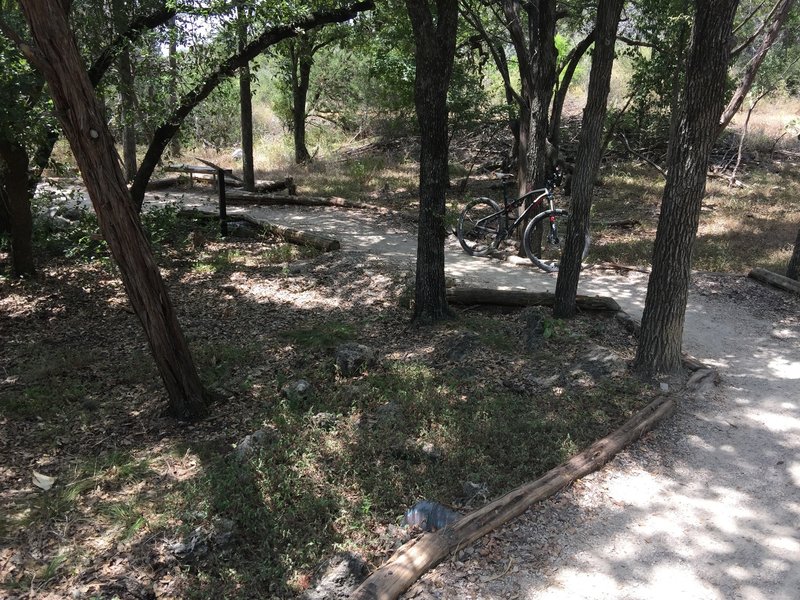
223, 209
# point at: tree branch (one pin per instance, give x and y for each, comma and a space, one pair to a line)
106, 58
652, 163
778, 16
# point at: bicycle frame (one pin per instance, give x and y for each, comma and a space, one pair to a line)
540, 194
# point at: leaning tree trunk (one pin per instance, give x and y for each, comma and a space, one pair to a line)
590, 148
793, 270
659, 349
435, 51
56, 54
779, 18
17, 207
570, 65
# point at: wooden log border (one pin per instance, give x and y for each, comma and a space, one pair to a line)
474, 295
294, 236
784, 283
423, 553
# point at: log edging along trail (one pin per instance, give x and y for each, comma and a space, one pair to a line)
421, 554
774, 279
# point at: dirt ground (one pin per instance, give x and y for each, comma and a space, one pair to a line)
704, 507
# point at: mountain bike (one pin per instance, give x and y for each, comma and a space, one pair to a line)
483, 224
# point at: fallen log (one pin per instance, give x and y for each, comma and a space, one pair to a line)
289, 234
287, 184
296, 236
423, 553
261, 199
784, 283
164, 182
470, 295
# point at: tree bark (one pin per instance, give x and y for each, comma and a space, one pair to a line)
80, 114
793, 270
435, 41
246, 108
659, 349
587, 161
17, 207
541, 33
127, 101
536, 58
127, 116
172, 56
228, 67
302, 62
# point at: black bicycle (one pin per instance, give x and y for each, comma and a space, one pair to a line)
483, 225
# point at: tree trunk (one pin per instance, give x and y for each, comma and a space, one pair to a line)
301, 79
17, 207
127, 100
56, 54
659, 349
541, 33
246, 101
172, 53
588, 158
781, 14
127, 116
536, 57
246, 109
570, 64
793, 270
435, 40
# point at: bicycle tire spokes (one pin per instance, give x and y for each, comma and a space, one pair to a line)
479, 226
544, 239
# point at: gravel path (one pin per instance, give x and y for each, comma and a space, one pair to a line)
705, 507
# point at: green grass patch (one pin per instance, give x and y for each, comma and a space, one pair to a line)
331, 475
284, 252
321, 336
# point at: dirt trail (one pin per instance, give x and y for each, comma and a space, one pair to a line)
708, 506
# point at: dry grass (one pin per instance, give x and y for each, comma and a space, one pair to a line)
740, 227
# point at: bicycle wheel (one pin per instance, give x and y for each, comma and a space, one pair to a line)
479, 226
553, 227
